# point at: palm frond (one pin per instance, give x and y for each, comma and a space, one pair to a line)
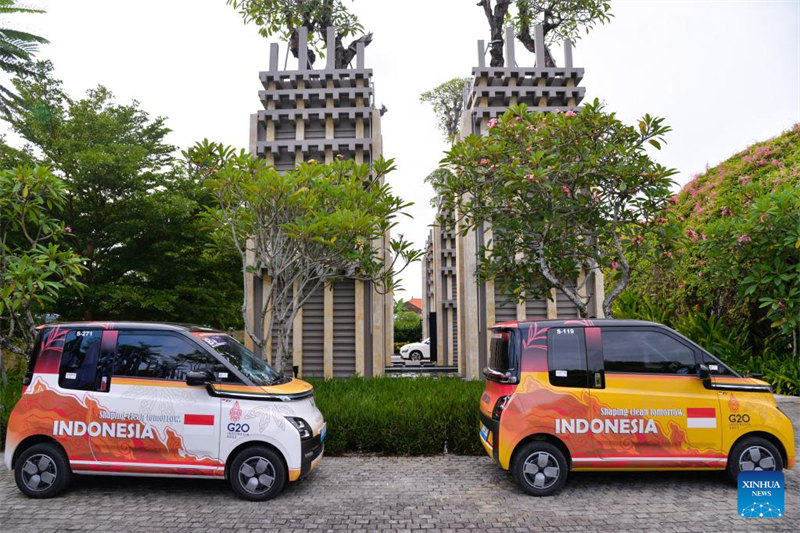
23, 36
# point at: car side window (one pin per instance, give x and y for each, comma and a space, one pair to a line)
159, 356
83, 365
646, 352
566, 357
715, 366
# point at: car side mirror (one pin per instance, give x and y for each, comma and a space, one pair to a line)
198, 377
703, 371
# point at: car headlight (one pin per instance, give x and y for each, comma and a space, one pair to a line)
403, 350
301, 426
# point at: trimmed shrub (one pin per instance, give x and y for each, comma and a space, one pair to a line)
9, 396
407, 327
397, 416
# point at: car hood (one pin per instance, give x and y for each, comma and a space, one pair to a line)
291, 390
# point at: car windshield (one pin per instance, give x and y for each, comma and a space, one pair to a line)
245, 361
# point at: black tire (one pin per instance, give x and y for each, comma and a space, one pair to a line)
42, 471
753, 453
416, 355
546, 471
248, 470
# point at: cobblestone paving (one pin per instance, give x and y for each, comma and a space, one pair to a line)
442, 493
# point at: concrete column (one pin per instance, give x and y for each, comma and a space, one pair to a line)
468, 349
538, 39
253, 133
297, 339
481, 54
378, 333
249, 308
302, 48
521, 311
552, 307
567, 53
510, 59
360, 55
359, 286
266, 286
438, 294
327, 333
273, 57
330, 40
598, 294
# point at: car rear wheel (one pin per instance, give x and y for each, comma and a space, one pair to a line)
42, 471
753, 454
540, 468
257, 474
416, 355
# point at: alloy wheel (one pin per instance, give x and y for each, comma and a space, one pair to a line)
39, 472
756, 458
257, 475
541, 470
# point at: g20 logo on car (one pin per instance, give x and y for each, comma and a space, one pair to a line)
238, 428
739, 419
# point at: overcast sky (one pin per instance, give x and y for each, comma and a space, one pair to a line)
724, 74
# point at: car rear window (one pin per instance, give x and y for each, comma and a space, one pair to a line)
500, 356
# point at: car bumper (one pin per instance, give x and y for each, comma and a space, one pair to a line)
490, 440
311, 454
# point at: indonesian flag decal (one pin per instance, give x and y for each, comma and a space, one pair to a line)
198, 424
701, 417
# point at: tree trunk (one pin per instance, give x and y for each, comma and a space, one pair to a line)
345, 55
496, 19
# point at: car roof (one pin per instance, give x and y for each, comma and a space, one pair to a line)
123, 325
589, 322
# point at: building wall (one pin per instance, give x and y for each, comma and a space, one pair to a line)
320, 114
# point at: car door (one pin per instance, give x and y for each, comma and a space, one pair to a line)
83, 384
652, 409
171, 427
567, 400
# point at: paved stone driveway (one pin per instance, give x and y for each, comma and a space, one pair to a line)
444, 493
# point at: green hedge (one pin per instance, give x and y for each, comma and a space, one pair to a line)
9, 396
399, 416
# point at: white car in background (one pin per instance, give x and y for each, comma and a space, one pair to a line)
416, 351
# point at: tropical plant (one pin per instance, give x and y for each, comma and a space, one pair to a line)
284, 17
34, 264
737, 257
407, 327
447, 100
560, 20
17, 49
302, 229
132, 208
565, 195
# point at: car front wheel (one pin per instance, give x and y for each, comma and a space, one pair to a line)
257, 474
540, 468
753, 454
42, 471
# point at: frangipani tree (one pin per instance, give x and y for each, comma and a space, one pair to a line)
564, 194
312, 225
560, 20
34, 266
284, 17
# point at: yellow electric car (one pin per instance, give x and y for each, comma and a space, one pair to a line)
567, 395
